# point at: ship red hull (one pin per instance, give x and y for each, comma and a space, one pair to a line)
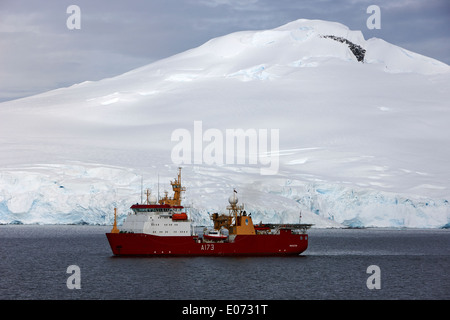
284, 243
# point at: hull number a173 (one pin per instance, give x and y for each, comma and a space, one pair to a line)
208, 246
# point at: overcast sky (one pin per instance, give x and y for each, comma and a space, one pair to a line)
39, 53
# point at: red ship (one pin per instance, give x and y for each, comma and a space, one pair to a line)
163, 228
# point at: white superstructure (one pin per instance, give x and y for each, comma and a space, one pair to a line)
160, 217
159, 220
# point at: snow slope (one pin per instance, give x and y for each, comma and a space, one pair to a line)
360, 143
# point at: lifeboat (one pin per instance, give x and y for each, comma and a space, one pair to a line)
179, 216
214, 235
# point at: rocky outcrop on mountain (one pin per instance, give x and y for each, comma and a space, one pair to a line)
357, 50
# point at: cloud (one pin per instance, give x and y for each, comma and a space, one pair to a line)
236, 4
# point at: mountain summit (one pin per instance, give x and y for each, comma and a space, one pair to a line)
362, 124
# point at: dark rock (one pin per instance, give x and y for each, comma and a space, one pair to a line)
357, 50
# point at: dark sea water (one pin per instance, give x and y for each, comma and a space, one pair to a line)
413, 264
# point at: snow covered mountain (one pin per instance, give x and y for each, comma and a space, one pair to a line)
363, 133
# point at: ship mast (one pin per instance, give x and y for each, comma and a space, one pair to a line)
148, 196
115, 229
242, 223
177, 189
234, 208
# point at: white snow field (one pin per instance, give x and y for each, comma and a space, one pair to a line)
361, 143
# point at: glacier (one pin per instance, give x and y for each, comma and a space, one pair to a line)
362, 143
82, 193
